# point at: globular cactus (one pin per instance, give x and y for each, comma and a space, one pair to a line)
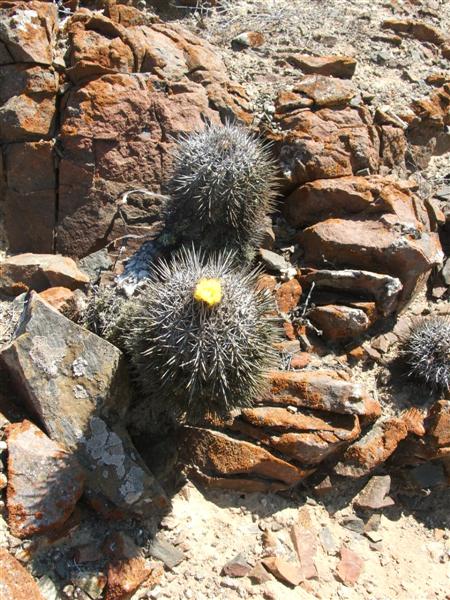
200, 338
222, 187
427, 351
106, 313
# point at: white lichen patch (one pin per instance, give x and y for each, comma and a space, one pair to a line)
80, 392
106, 447
47, 354
79, 367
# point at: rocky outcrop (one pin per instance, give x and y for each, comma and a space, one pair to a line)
131, 86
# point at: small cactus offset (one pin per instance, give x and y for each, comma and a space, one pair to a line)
222, 187
427, 351
200, 339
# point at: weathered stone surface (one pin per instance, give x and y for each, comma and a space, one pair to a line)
337, 66
340, 323
305, 545
38, 272
284, 570
384, 289
220, 458
350, 566
237, 567
375, 493
15, 581
385, 245
326, 91
44, 481
288, 295
362, 457
166, 552
58, 297
304, 438
324, 143
438, 428
128, 568
321, 390
28, 31
419, 29
77, 385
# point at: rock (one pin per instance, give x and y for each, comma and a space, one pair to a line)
288, 295
383, 288
38, 272
90, 582
438, 428
307, 439
350, 567
59, 297
94, 264
375, 494
249, 39
77, 384
259, 575
237, 567
284, 571
218, 460
166, 552
128, 568
327, 540
340, 323
337, 66
273, 261
321, 390
44, 481
305, 545
367, 244
418, 29
372, 450
353, 524
326, 91
28, 32
16, 582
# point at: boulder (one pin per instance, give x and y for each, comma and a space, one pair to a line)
15, 581
76, 384
340, 323
39, 272
44, 481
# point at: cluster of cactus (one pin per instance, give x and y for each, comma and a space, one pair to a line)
199, 337
222, 187
427, 351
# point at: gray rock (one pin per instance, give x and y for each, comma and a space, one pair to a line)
77, 384
93, 264
166, 552
273, 261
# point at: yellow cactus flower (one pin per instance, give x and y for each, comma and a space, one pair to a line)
209, 291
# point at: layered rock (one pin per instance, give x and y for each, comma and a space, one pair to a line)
134, 85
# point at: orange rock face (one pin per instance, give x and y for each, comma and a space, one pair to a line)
16, 582
337, 66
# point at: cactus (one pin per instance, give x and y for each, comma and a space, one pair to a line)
200, 339
106, 314
427, 351
223, 186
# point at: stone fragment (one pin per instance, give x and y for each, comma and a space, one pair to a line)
220, 459
166, 552
418, 29
283, 570
339, 323
326, 91
353, 524
288, 295
38, 272
16, 583
362, 457
350, 567
77, 384
90, 582
327, 540
58, 297
273, 261
375, 494
259, 575
28, 31
305, 545
438, 424
237, 567
321, 390
127, 570
337, 66
44, 481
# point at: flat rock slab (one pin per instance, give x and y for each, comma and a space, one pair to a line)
38, 272
44, 481
77, 384
15, 581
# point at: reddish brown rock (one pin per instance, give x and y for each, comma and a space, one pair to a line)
220, 458
321, 390
58, 297
300, 360
337, 66
16, 583
340, 323
283, 570
372, 450
39, 272
128, 568
28, 32
350, 566
418, 29
374, 495
288, 295
237, 567
438, 427
305, 545
44, 481
326, 91
259, 575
